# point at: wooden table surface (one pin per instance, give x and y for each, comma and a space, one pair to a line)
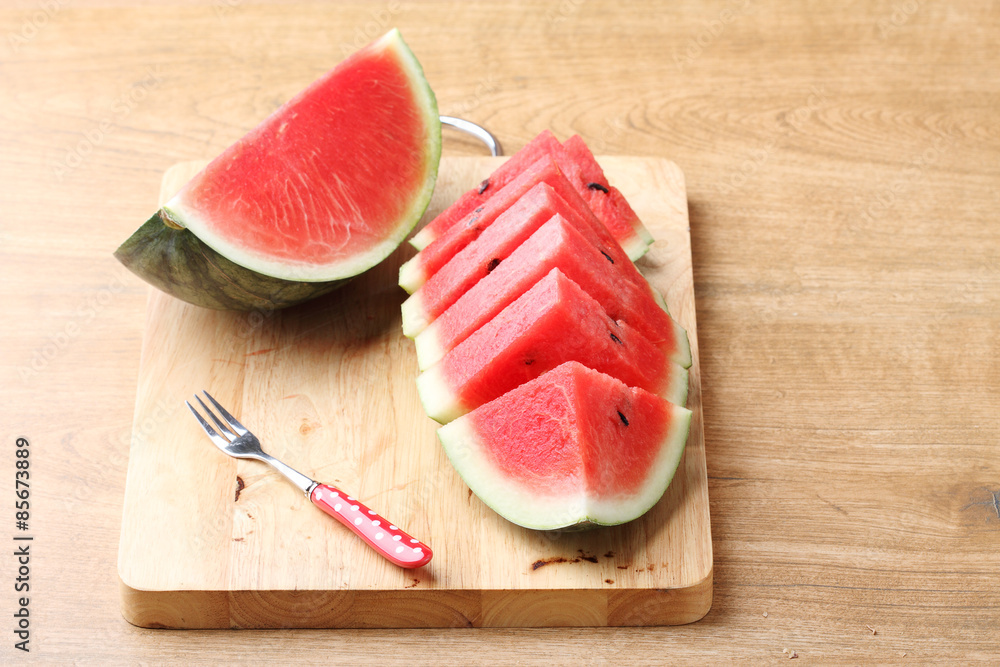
843, 175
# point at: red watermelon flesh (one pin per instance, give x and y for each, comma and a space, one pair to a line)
544, 144
296, 221
572, 447
530, 337
419, 268
501, 238
556, 244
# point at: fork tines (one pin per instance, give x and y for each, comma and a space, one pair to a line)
227, 429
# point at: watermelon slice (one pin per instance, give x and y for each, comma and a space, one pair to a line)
559, 244
571, 448
501, 238
578, 163
544, 144
322, 190
529, 337
607, 202
419, 268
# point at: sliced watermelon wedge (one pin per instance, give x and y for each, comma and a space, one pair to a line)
571, 448
479, 258
543, 144
556, 244
578, 163
542, 202
320, 191
419, 268
607, 202
530, 337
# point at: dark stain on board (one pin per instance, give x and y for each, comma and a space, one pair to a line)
584, 556
542, 562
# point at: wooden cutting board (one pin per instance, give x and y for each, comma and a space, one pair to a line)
212, 542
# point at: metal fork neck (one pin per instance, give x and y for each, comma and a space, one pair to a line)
304, 483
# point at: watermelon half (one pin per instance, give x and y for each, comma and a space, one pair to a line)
571, 448
319, 192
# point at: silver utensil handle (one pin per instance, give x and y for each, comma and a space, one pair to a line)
304, 483
477, 131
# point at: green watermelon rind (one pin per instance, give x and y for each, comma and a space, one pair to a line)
182, 265
637, 246
517, 504
199, 267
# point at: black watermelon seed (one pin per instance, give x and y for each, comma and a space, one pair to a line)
608, 257
494, 263
597, 186
482, 186
528, 362
617, 340
622, 417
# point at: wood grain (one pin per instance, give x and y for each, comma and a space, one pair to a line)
329, 387
846, 268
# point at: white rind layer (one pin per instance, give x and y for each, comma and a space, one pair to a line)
182, 213
638, 245
411, 275
415, 318
439, 402
683, 354
422, 239
658, 297
533, 508
429, 348
675, 389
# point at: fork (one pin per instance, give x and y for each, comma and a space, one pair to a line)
387, 539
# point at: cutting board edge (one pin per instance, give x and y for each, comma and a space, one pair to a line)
357, 609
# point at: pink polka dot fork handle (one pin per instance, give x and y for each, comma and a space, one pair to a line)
395, 545
387, 539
